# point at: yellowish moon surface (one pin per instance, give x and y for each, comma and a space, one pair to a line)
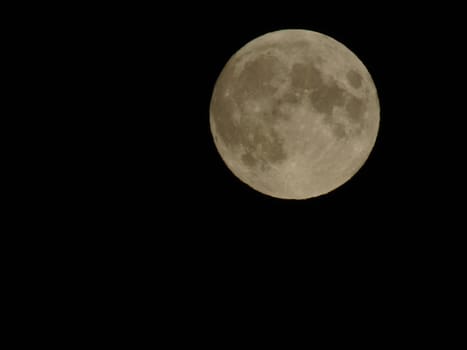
294, 114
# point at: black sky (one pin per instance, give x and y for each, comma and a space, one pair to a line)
137, 210
170, 70
162, 170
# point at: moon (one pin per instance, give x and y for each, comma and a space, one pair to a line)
294, 114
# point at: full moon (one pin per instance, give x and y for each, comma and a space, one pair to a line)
294, 114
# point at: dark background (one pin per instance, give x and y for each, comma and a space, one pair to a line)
134, 212
390, 191
158, 182
158, 168
124, 99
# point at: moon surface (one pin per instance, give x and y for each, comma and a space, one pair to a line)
294, 114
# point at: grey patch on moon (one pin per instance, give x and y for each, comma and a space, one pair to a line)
263, 148
256, 78
326, 96
253, 133
249, 160
355, 108
260, 145
229, 132
354, 79
305, 76
339, 130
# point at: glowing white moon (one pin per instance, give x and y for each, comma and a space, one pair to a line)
294, 114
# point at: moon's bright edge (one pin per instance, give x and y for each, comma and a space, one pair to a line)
294, 114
